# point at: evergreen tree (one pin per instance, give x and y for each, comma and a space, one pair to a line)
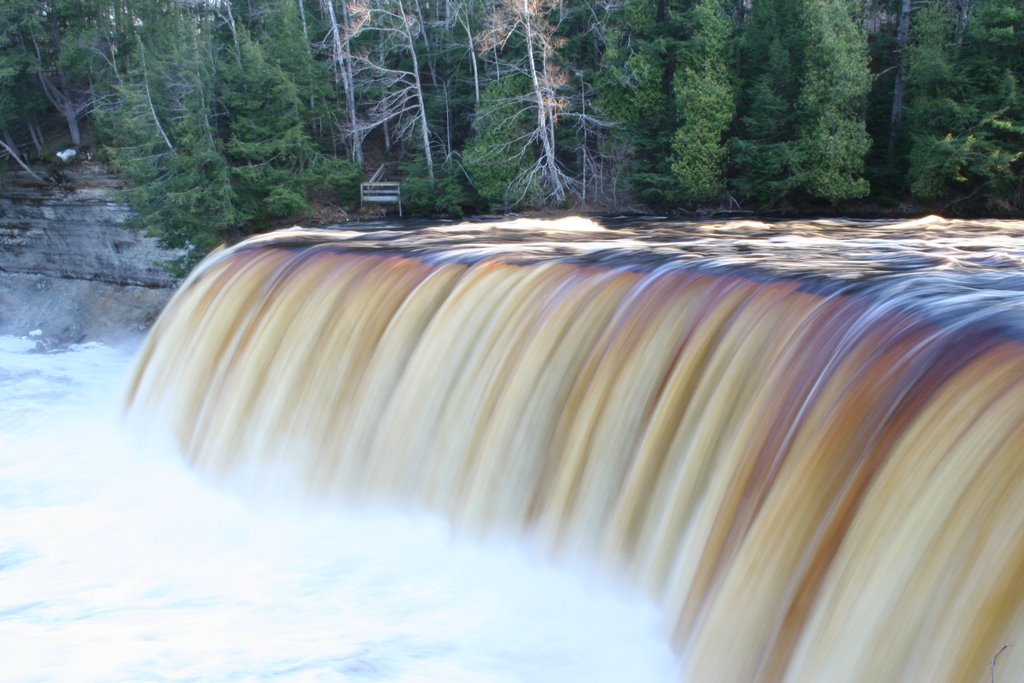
634, 89
966, 106
994, 61
267, 146
285, 44
226, 113
833, 139
705, 101
161, 138
20, 99
937, 105
805, 83
772, 56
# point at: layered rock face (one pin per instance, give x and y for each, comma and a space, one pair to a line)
71, 267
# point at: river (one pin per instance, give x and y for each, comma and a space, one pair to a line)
423, 455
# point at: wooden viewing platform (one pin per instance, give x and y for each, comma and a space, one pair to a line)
377, 192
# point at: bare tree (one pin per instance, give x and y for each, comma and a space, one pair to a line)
226, 13
459, 18
591, 132
71, 104
423, 32
464, 22
390, 64
340, 35
522, 36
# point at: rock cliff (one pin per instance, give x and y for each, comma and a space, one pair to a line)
69, 264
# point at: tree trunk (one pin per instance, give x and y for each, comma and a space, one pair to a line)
343, 57
583, 155
426, 42
8, 146
472, 57
302, 17
234, 33
63, 104
548, 163
447, 124
868, 15
36, 133
962, 9
902, 37
73, 131
411, 43
550, 108
149, 99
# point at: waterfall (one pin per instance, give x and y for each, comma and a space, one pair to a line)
815, 483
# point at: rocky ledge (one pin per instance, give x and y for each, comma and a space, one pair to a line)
71, 266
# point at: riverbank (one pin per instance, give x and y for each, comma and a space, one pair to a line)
71, 267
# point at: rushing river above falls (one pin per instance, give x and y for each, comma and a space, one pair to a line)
959, 271
534, 450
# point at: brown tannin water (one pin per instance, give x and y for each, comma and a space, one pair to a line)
805, 441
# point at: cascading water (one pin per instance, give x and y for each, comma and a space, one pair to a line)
806, 442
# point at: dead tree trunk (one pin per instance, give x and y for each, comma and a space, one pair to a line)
343, 60
424, 129
962, 10
8, 146
549, 164
472, 58
302, 18
902, 37
431, 67
64, 103
149, 99
36, 133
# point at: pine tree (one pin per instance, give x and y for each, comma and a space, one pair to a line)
267, 146
284, 43
162, 140
772, 57
705, 101
833, 139
635, 90
936, 108
965, 111
805, 83
994, 61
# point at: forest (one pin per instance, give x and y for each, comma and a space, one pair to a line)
230, 116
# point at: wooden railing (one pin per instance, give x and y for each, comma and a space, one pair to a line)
376, 192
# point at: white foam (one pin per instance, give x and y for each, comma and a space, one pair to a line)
118, 563
566, 224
